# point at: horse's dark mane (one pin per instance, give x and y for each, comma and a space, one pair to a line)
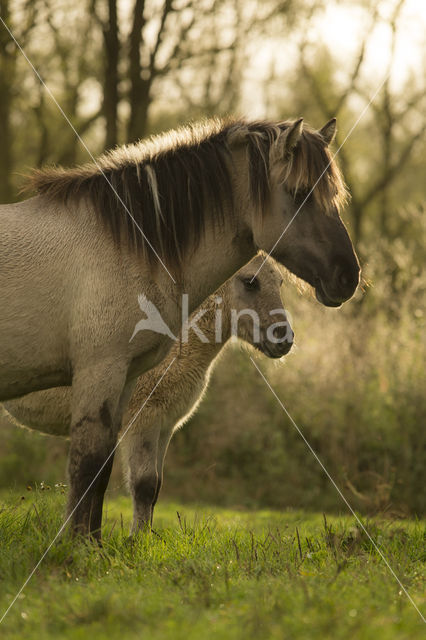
171, 182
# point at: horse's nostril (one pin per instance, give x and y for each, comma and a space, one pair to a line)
283, 334
344, 279
347, 277
278, 333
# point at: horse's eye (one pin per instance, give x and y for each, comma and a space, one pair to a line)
251, 284
302, 196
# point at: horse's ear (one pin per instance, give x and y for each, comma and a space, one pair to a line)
237, 135
328, 131
285, 144
293, 135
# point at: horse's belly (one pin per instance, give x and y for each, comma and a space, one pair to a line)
45, 411
32, 352
33, 329
15, 383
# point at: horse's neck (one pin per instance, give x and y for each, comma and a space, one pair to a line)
220, 253
218, 257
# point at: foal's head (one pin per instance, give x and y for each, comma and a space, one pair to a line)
297, 185
256, 308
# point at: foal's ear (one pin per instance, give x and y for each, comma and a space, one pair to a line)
328, 131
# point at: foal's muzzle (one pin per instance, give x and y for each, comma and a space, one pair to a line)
281, 345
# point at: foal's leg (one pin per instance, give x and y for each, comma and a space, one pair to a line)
163, 444
96, 418
139, 448
175, 419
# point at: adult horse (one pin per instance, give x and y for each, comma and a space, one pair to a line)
73, 260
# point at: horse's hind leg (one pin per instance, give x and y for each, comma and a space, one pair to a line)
96, 418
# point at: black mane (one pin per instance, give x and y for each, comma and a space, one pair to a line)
171, 182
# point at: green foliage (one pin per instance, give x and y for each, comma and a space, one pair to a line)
215, 574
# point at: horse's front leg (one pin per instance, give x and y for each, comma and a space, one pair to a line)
96, 417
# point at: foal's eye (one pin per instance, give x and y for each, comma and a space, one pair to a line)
251, 284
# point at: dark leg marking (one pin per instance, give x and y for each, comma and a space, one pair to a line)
145, 489
87, 517
144, 492
157, 491
105, 416
147, 446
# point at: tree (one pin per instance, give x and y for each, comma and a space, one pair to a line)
111, 38
386, 129
9, 53
7, 66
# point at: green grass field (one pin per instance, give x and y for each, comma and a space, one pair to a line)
208, 573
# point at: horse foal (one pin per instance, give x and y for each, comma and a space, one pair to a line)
249, 307
176, 399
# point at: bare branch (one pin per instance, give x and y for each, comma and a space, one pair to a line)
358, 64
393, 169
174, 60
167, 9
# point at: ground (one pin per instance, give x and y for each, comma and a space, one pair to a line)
207, 573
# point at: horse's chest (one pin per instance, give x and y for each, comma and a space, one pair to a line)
150, 358
188, 391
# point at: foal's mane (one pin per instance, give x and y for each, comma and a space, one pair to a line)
170, 183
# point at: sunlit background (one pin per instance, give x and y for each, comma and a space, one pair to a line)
355, 382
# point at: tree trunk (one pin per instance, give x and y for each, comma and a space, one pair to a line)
7, 64
110, 98
138, 93
138, 122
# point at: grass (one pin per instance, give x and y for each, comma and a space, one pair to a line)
210, 573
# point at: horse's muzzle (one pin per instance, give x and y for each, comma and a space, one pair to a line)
322, 297
336, 292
